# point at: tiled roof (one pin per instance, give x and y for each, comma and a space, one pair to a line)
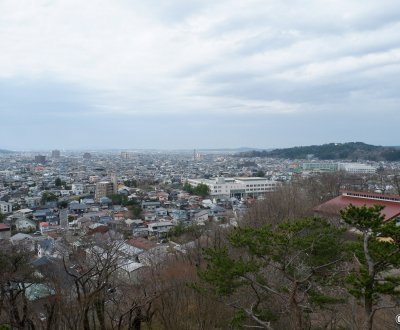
4, 227
141, 243
391, 208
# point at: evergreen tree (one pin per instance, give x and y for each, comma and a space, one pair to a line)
265, 273
377, 254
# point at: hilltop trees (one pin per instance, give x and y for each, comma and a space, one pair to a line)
16, 278
376, 255
267, 274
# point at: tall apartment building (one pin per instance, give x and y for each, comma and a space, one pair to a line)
114, 182
55, 154
104, 189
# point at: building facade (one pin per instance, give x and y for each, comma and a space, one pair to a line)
236, 187
5, 207
104, 189
357, 168
55, 154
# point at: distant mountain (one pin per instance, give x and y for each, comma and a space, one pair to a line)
332, 151
4, 151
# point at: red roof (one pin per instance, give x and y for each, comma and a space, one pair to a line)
141, 243
4, 227
333, 206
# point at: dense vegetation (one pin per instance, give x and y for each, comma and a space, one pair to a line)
332, 151
201, 189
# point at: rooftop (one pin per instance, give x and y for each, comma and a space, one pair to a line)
391, 203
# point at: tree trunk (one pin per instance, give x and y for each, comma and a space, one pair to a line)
295, 308
86, 324
369, 288
100, 313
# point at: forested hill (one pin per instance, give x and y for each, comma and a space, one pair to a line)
3, 151
332, 151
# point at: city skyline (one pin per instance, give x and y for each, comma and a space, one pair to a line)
198, 74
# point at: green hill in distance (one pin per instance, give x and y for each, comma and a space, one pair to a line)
332, 151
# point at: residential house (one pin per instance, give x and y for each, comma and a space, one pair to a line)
147, 205
44, 227
159, 228
24, 212
45, 247
201, 217
24, 240
77, 208
5, 231
25, 224
161, 212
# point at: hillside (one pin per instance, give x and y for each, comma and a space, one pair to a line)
4, 151
332, 151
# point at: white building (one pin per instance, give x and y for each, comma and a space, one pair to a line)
236, 187
5, 207
77, 188
357, 168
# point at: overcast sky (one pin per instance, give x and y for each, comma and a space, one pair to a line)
198, 73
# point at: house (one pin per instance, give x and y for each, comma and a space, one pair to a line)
161, 212
24, 212
77, 188
146, 205
44, 227
24, 240
150, 216
134, 223
217, 210
5, 231
141, 243
25, 224
77, 208
201, 217
207, 203
42, 214
332, 208
45, 247
84, 223
159, 228
105, 201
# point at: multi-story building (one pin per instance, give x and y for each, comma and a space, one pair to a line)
317, 166
40, 159
357, 168
5, 207
104, 189
236, 187
55, 154
77, 188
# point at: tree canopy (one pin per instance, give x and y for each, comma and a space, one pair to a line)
279, 271
48, 196
377, 254
201, 189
